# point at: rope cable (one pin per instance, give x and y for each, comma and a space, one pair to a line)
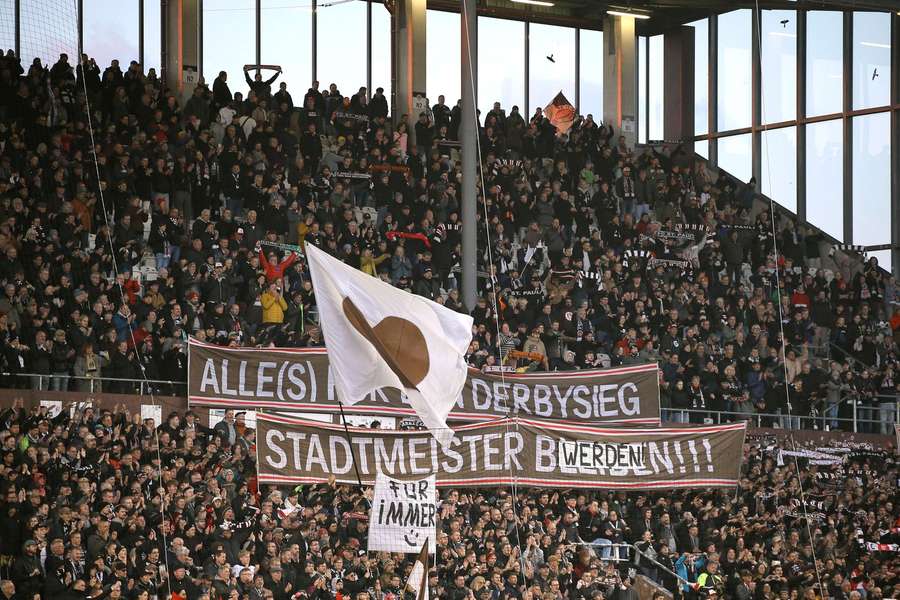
464, 15
783, 345
115, 267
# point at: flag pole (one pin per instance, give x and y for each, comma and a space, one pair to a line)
352, 453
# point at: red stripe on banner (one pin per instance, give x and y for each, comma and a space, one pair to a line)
556, 425
251, 349
585, 374
578, 374
631, 431
318, 407
488, 481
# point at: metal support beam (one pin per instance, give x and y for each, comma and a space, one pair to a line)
164, 40
314, 39
848, 127
468, 132
801, 114
258, 23
895, 146
527, 107
678, 83
713, 88
368, 51
646, 60
756, 101
577, 69
199, 36
80, 18
18, 16
141, 33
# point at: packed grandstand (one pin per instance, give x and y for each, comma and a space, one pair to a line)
191, 222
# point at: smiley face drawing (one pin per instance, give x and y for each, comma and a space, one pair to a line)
412, 538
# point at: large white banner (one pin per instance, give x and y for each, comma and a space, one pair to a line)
403, 514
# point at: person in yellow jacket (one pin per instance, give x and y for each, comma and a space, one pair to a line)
710, 583
369, 263
273, 305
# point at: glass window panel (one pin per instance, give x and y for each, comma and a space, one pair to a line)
46, 34
872, 182
287, 42
871, 59
381, 49
229, 40
734, 156
549, 77
701, 148
642, 90
591, 74
341, 32
824, 62
779, 65
701, 76
7, 25
655, 86
501, 64
111, 31
443, 54
152, 35
734, 87
779, 166
825, 177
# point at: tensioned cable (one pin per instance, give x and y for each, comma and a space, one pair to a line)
112, 250
491, 271
787, 388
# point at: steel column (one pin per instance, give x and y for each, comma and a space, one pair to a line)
468, 135
368, 50
895, 147
713, 88
756, 101
801, 114
848, 127
141, 32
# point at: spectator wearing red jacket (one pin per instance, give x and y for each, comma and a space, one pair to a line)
275, 270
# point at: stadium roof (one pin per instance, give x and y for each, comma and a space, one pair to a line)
663, 14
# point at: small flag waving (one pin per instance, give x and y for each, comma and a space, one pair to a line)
379, 336
561, 113
418, 577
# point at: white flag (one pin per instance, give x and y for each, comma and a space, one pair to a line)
380, 336
418, 576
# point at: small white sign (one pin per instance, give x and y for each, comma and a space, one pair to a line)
403, 515
189, 75
152, 411
369, 420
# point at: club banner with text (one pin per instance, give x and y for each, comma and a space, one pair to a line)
298, 379
403, 515
295, 451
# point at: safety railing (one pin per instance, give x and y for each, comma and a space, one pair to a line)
874, 418
93, 385
606, 550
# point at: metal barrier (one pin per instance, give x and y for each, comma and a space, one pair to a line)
613, 552
65, 383
869, 421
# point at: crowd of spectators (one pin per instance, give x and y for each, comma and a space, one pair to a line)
99, 504
599, 255
191, 221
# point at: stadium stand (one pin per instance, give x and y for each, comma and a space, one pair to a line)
191, 222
